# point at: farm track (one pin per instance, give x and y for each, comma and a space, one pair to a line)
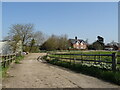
32, 73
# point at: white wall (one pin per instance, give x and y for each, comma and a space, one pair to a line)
5, 48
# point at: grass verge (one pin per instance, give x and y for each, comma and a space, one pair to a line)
3, 71
18, 59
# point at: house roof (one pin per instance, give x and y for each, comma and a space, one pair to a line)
111, 45
73, 41
115, 43
119, 45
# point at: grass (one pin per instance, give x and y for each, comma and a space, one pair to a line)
19, 58
4, 72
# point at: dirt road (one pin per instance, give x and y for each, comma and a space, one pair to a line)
35, 74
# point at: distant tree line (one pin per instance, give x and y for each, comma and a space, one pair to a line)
34, 41
56, 43
100, 45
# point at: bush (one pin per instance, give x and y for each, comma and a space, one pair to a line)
17, 61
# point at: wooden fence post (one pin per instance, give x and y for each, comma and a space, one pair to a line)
114, 61
74, 59
11, 58
99, 58
15, 57
81, 58
8, 59
95, 59
60, 59
4, 61
70, 58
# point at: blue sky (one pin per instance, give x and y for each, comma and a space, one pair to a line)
83, 19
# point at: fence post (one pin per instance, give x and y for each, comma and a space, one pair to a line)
11, 58
74, 59
70, 58
81, 57
61, 59
114, 61
95, 59
8, 60
4, 65
15, 56
99, 58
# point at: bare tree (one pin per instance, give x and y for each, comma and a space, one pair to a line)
23, 32
39, 37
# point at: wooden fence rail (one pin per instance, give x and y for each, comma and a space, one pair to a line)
94, 58
5, 60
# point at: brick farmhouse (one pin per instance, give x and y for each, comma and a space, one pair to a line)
78, 44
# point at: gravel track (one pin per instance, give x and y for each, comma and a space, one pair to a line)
32, 73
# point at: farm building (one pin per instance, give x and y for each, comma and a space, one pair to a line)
78, 44
108, 47
112, 46
5, 47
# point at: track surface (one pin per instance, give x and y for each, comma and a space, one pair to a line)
32, 73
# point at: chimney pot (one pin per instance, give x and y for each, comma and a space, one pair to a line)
76, 37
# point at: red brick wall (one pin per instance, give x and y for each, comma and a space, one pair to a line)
84, 46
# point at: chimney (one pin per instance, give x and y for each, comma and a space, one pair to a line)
76, 37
